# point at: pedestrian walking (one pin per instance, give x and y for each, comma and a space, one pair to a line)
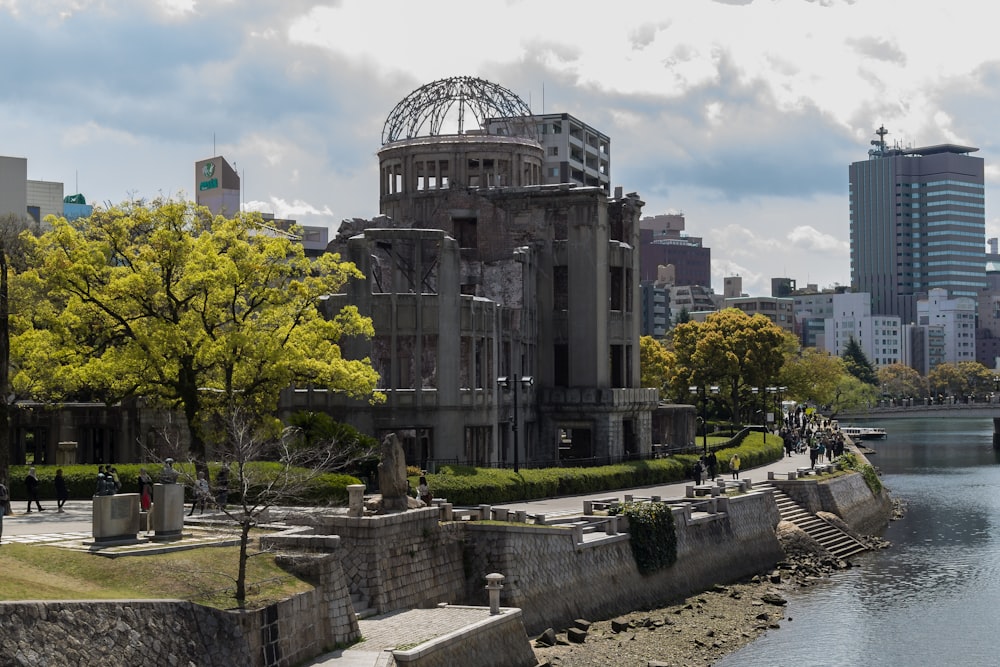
201, 493
734, 466
697, 470
424, 491
62, 491
31, 485
712, 461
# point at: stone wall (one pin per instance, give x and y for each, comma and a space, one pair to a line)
95, 632
848, 496
399, 561
171, 632
554, 580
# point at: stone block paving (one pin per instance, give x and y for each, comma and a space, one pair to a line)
84, 541
411, 627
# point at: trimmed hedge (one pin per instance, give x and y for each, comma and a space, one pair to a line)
81, 481
465, 485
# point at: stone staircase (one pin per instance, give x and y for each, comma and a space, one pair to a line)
833, 539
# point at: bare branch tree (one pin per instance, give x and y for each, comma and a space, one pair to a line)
261, 486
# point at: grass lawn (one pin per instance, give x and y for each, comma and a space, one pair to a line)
204, 575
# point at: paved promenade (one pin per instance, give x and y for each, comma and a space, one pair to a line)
401, 628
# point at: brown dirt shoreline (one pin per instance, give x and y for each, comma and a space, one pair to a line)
696, 631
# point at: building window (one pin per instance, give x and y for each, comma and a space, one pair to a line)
553, 150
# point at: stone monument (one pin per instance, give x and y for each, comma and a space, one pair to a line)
168, 506
392, 475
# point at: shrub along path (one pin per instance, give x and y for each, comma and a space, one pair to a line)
571, 504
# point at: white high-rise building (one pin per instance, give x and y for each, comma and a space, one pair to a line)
878, 335
956, 319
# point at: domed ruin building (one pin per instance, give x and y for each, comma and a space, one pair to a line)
506, 307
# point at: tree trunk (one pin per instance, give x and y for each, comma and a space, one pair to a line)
241, 577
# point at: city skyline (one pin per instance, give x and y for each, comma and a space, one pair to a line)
743, 116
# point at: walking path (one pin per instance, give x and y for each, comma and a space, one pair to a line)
400, 628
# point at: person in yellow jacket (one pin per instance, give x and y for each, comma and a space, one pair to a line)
734, 466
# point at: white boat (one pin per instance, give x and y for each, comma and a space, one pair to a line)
864, 432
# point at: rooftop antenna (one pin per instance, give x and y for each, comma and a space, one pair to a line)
880, 142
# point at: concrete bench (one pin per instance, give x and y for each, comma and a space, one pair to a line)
598, 504
695, 490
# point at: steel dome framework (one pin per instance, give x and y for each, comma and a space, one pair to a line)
429, 106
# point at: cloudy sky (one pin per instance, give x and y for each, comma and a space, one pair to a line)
742, 114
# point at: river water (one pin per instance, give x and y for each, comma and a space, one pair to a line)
933, 598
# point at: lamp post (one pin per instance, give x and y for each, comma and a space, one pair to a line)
763, 408
511, 384
777, 391
703, 391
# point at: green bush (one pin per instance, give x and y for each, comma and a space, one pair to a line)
81, 481
652, 535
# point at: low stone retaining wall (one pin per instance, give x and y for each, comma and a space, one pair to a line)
555, 580
848, 496
176, 632
95, 632
398, 561
497, 641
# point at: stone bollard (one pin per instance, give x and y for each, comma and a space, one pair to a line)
588, 507
611, 528
654, 499
628, 497
716, 491
355, 500
521, 516
500, 514
494, 584
689, 491
484, 512
793, 475
770, 475
446, 511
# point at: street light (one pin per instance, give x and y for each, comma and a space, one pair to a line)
763, 409
511, 384
777, 391
695, 390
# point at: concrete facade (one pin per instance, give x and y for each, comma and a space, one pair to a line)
475, 271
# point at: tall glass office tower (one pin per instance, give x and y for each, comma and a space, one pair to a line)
917, 222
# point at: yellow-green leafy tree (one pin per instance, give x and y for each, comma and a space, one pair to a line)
965, 378
730, 349
852, 394
657, 364
901, 381
198, 312
812, 375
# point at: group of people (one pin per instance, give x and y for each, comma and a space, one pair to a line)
32, 484
108, 484
818, 437
707, 465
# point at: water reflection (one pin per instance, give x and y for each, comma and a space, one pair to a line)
932, 598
